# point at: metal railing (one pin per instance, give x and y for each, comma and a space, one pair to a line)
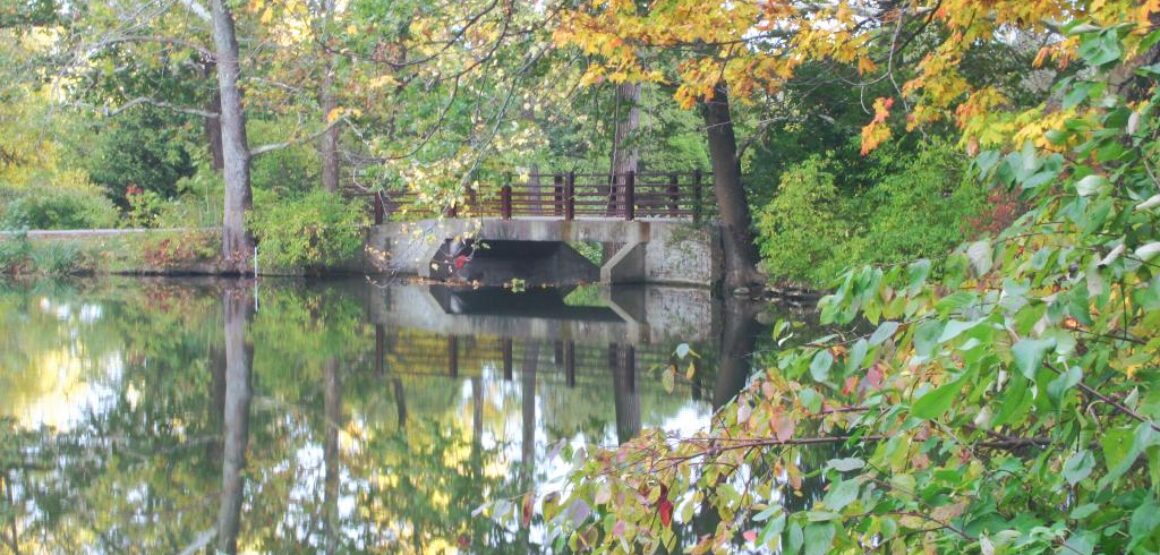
570, 196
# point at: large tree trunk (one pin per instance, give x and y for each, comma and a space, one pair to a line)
236, 417
329, 147
213, 127
625, 155
740, 253
237, 243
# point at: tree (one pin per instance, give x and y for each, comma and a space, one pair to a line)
714, 52
1008, 404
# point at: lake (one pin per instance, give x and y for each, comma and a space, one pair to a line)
192, 415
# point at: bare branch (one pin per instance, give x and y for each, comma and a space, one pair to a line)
160, 104
258, 151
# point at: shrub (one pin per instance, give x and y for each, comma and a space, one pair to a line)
14, 253
63, 208
314, 231
800, 226
921, 205
921, 210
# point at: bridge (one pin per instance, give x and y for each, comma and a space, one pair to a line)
652, 227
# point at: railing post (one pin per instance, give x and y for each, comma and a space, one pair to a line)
453, 356
570, 364
507, 358
380, 210
698, 207
558, 191
630, 196
505, 196
570, 196
674, 195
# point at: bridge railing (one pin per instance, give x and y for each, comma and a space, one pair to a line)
569, 196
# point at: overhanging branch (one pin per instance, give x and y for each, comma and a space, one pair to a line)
258, 151
161, 104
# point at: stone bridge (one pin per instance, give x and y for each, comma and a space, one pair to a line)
541, 250
649, 228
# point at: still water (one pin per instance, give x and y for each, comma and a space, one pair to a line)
191, 416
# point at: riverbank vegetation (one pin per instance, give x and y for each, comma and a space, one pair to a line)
975, 182
112, 119
1003, 398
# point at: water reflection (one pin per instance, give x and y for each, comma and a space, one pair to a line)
147, 416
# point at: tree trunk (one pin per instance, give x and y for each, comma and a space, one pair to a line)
740, 253
332, 406
236, 417
625, 396
213, 127
329, 147
237, 243
625, 155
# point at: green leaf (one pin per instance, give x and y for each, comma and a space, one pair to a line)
885, 331
1090, 185
1029, 355
954, 328
1143, 438
916, 274
857, 355
794, 539
1083, 511
811, 400
841, 494
979, 254
936, 402
818, 538
1101, 48
1064, 382
820, 366
1078, 466
846, 465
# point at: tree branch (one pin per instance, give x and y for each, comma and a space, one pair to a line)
260, 150
161, 104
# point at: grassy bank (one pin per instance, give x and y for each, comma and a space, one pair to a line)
109, 251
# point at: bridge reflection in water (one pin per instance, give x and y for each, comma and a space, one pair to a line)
461, 333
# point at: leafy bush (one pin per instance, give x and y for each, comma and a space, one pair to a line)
922, 204
63, 208
14, 253
801, 225
313, 231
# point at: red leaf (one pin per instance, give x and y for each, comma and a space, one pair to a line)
665, 509
750, 535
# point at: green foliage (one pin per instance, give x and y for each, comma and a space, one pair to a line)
14, 253
287, 171
146, 149
921, 204
1008, 404
801, 226
316, 230
55, 208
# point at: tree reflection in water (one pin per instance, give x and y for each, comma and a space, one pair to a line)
145, 416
